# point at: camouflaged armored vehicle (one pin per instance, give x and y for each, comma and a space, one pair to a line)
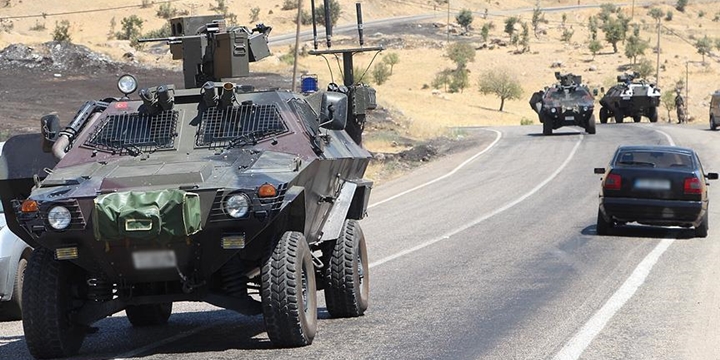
567, 103
246, 199
630, 98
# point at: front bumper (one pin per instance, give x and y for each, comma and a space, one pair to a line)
654, 212
568, 118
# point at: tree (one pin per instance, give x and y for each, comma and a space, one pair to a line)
62, 31
537, 17
593, 27
459, 80
644, 68
485, 32
614, 33
606, 11
594, 46
391, 59
656, 13
510, 25
668, 100
464, 18
635, 46
166, 11
381, 73
501, 83
525, 37
680, 5
703, 47
461, 53
130, 28
442, 79
335, 11
567, 35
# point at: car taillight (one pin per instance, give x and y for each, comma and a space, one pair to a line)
612, 182
692, 185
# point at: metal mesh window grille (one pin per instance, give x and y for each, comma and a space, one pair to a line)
219, 126
132, 132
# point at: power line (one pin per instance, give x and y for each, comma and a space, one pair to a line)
44, 15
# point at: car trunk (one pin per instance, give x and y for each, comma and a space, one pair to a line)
644, 183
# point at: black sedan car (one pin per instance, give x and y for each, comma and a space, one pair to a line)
654, 185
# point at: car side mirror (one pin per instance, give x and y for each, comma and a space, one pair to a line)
595, 92
334, 110
712, 176
599, 170
602, 90
50, 129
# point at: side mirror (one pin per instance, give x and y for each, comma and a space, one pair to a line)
599, 171
595, 92
712, 176
602, 89
334, 111
50, 129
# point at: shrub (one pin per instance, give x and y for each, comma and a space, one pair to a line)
38, 26
680, 5
381, 73
289, 5
669, 15
62, 31
167, 11
526, 121
130, 28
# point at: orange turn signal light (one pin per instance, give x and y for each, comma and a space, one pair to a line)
29, 206
267, 190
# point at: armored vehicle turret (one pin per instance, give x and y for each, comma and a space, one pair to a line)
632, 98
568, 102
218, 192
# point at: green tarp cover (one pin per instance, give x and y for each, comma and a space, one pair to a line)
161, 216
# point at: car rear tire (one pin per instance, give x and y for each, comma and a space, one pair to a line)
149, 314
49, 297
591, 125
619, 118
346, 279
713, 126
702, 229
603, 226
604, 115
289, 292
653, 115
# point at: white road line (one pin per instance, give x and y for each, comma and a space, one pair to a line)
486, 216
464, 163
577, 345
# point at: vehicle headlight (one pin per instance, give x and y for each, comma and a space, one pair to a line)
127, 84
553, 110
237, 205
59, 217
585, 108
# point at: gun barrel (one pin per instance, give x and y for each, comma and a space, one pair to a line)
169, 40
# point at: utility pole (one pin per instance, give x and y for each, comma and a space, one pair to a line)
448, 24
657, 68
297, 45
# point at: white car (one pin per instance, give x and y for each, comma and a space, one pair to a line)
14, 254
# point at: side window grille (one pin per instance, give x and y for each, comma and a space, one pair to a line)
134, 131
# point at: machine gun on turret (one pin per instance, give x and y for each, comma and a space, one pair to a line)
212, 51
568, 80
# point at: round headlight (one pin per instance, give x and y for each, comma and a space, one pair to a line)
553, 110
127, 84
237, 205
59, 217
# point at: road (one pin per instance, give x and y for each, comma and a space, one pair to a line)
493, 255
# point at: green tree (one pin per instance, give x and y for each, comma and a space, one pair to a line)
614, 33
459, 80
61, 33
680, 5
464, 18
391, 59
461, 53
510, 25
537, 17
525, 37
166, 11
644, 68
442, 79
594, 46
593, 27
635, 46
501, 83
381, 73
567, 35
606, 11
668, 100
703, 46
131, 27
656, 13
485, 32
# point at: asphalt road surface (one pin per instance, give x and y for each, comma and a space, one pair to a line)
489, 254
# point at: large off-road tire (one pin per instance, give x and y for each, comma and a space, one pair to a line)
653, 115
590, 128
49, 293
149, 314
12, 310
604, 115
713, 125
619, 117
547, 127
637, 118
347, 284
702, 229
603, 226
289, 292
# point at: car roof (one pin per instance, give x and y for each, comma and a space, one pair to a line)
659, 148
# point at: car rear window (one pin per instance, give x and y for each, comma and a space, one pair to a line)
655, 159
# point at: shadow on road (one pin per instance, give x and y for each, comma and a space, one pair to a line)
555, 134
643, 231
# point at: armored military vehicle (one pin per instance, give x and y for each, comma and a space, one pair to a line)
568, 102
246, 199
632, 98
